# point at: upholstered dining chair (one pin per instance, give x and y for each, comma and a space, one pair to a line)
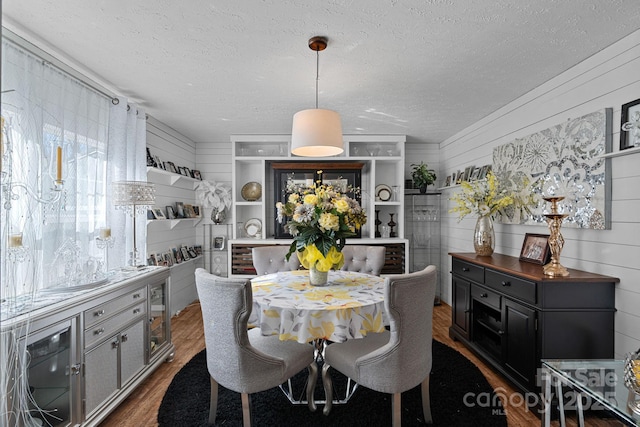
241, 360
363, 259
271, 259
396, 360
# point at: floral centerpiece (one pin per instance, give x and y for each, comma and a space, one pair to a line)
216, 195
482, 198
487, 198
320, 218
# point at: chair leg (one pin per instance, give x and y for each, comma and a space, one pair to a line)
311, 385
213, 403
396, 410
246, 409
328, 388
426, 401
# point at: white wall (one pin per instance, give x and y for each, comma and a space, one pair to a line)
170, 145
606, 80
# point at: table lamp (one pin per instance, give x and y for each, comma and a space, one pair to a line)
133, 197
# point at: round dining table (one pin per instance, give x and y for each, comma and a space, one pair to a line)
349, 306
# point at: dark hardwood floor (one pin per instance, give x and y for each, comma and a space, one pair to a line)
141, 407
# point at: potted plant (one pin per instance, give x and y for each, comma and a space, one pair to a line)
422, 176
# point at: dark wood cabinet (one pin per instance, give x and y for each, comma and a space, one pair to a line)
511, 315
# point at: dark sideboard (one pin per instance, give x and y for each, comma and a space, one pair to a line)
510, 314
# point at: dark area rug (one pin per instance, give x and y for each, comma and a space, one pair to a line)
460, 396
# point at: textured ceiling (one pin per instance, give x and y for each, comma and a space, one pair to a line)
424, 68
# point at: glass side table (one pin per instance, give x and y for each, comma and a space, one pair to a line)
598, 384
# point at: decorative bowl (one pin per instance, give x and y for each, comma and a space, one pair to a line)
251, 191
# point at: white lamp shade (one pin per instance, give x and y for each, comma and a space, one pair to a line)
316, 133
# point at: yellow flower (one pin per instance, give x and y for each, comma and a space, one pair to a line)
294, 197
310, 199
329, 221
341, 205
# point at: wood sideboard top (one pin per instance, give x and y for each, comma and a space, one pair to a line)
512, 265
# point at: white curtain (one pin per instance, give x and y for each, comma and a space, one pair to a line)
127, 161
45, 110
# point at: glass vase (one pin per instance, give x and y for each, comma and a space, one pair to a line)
484, 236
318, 278
218, 216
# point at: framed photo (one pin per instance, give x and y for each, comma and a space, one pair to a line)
192, 252
185, 253
168, 259
189, 212
172, 167
483, 171
630, 133
218, 243
187, 172
158, 162
152, 260
447, 181
177, 255
171, 214
179, 210
158, 213
197, 211
475, 174
196, 174
467, 173
198, 249
160, 260
535, 248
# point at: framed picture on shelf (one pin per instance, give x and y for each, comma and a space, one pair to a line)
187, 172
447, 181
158, 214
197, 211
196, 174
218, 243
179, 210
189, 212
535, 248
192, 252
177, 255
630, 125
198, 249
185, 253
172, 167
168, 259
474, 175
171, 214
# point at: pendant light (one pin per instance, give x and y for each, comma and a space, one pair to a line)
316, 132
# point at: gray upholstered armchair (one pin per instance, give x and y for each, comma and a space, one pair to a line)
397, 360
240, 360
271, 259
364, 259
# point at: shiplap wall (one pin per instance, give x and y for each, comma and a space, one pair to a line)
606, 80
168, 144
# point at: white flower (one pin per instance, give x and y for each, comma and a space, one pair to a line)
214, 195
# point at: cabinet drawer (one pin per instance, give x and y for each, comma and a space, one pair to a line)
512, 286
111, 325
486, 297
468, 271
103, 311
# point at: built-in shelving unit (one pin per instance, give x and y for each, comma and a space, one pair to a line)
383, 163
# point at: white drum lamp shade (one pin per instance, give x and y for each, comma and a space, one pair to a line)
316, 133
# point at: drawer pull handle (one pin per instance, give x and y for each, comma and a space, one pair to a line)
124, 338
98, 331
98, 313
465, 269
483, 295
136, 311
467, 311
135, 296
506, 283
500, 332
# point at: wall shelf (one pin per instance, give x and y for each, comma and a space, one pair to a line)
620, 153
169, 224
162, 176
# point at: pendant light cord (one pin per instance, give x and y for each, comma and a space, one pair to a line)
317, 74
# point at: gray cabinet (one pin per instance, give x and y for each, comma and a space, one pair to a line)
512, 315
89, 350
